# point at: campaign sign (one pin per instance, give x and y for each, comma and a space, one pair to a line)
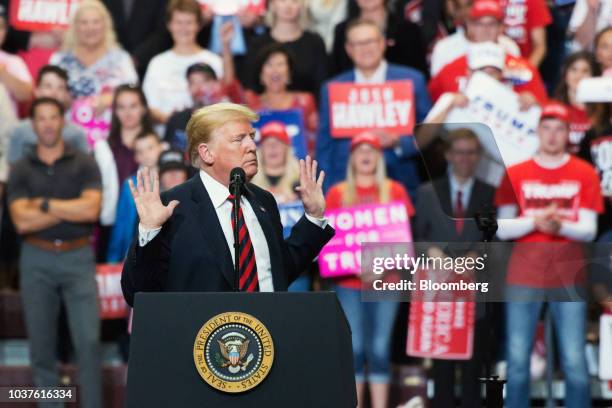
110, 296
290, 214
497, 106
354, 108
605, 346
294, 123
232, 7
355, 225
41, 15
238, 45
96, 127
441, 330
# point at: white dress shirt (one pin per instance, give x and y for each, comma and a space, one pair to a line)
218, 194
465, 188
378, 77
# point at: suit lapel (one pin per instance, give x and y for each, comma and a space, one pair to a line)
209, 226
473, 203
443, 190
263, 216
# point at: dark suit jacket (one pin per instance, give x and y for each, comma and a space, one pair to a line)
433, 219
190, 252
147, 17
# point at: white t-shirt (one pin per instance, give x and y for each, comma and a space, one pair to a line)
581, 8
456, 45
165, 83
16, 67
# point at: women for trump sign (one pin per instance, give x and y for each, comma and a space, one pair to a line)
354, 108
356, 225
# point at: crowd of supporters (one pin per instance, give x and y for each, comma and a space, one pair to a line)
85, 106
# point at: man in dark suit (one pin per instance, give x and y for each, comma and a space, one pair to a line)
366, 44
185, 235
139, 23
444, 213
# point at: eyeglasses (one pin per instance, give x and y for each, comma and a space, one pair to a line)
363, 43
466, 152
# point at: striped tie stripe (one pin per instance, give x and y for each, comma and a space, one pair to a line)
249, 281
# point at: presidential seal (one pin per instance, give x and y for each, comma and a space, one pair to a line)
233, 352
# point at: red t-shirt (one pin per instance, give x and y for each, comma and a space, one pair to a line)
522, 16
518, 72
579, 124
533, 188
365, 195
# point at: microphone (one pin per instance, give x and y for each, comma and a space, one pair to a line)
237, 179
236, 183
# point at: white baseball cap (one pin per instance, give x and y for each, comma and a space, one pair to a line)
486, 54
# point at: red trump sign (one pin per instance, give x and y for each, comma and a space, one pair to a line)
354, 108
41, 15
110, 295
441, 330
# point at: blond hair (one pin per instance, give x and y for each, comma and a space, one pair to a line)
302, 21
206, 120
71, 40
287, 182
349, 187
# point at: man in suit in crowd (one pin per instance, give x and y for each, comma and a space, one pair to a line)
185, 235
365, 44
445, 213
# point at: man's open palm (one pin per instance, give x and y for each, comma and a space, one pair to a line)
151, 211
311, 188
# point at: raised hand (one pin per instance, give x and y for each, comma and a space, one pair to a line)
151, 211
311, 188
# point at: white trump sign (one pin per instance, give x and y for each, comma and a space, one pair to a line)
493, 104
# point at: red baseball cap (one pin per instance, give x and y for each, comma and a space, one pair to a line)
366, 137
486, 8
275, 129
555, 110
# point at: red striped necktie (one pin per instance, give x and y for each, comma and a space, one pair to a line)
249, 281
459, 213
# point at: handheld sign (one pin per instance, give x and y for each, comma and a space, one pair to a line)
441, 330
364, 223
293, 119
96, 127
495, 105
290, 214
110, 295
232, 7
41, 15
354, 108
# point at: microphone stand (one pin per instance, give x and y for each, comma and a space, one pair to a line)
494, 387
235, 189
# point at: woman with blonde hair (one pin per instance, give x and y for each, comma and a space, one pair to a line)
371, 322
279, 171
91, 56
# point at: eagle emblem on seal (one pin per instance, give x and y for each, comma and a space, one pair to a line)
234, 347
